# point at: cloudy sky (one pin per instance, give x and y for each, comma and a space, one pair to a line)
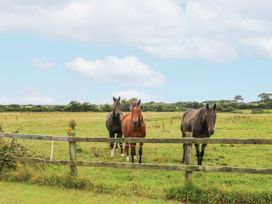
52, 52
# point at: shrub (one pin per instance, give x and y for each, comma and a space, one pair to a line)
8, 153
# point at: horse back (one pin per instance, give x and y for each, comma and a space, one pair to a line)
187, 120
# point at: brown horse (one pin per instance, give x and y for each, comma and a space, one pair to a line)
133, 126
113, 124
201, 123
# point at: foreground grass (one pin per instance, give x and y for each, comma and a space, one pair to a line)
14, 193
210, 187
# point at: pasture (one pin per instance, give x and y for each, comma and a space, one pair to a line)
151, 184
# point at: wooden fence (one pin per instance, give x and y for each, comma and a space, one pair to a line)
188, 168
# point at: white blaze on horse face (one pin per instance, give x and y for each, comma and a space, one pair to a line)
112, 152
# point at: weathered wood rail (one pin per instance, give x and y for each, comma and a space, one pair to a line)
145, 140
188, 168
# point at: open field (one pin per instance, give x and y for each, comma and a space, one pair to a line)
149, 183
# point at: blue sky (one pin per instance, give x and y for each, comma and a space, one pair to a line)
157, 50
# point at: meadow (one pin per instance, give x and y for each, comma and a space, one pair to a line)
150, 184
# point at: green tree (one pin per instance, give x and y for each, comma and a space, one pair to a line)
73, 106
265, 96
238, 98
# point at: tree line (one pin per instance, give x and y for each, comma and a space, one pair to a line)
237, 103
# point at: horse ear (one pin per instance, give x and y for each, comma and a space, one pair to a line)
119, 98
214, 106
207, 106
139, 102
114, 99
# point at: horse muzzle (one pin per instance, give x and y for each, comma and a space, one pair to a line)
136, 123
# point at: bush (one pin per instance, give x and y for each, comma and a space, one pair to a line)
8, 153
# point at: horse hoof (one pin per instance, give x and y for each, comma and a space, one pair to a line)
134, 157
127, 158
122, 155
112, 153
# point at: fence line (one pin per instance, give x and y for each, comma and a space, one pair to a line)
179, 167
188, 141
145, 140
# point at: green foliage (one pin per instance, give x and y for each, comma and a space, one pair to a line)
8, 152
36, 174
208, 195
76, 106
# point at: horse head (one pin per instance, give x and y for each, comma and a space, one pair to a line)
136, 114
209, 118
116, 105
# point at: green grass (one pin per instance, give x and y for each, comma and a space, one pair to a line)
14, 193
152, 183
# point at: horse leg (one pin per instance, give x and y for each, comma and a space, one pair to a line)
202, 152
132, 149
112, 144
140, 152
127, 150
116, 145
119, 135
198, 154
183, 155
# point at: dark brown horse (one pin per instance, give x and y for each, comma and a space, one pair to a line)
133, 126
201, 123
113, 124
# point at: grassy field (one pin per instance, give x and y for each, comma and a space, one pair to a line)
151, 183
14, 193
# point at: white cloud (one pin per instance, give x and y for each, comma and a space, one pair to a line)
205, 29
129, 93
128, 70
43, 64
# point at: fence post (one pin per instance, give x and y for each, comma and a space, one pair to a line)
52, 150
72, 151
188, 159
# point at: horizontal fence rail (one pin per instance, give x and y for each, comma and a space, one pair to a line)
145, 140
153, 166
188, 168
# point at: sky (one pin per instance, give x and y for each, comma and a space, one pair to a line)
52, 52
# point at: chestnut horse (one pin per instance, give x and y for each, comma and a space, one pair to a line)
133, 126
201, 123
113, 124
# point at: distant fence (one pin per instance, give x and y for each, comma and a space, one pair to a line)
188, 168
